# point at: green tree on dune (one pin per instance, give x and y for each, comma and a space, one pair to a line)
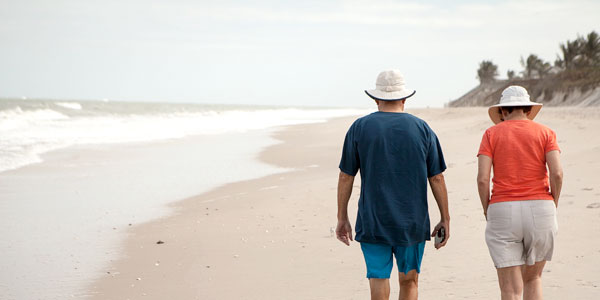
510, 74
583, 52
487, 72
591, 49
577, 65
571, 52
535, 67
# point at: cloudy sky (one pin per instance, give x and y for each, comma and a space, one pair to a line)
271, 52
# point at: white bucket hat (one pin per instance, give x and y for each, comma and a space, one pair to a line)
390, 87
514, 95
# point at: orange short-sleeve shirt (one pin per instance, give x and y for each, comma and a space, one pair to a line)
518, 150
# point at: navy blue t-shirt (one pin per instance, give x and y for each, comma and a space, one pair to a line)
395, 153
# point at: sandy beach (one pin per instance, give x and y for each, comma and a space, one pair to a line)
271, 238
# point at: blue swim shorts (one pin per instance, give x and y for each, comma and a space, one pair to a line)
378, 258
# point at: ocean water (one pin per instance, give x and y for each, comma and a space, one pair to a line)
75, 174
29, 128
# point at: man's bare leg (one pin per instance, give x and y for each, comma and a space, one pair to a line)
511, 282
409, 285
532, 281
380, 288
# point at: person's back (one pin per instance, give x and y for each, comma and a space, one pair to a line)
518, 149
393, 150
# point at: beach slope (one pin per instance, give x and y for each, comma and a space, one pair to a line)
271, 238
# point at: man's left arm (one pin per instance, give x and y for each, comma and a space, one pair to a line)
343, 231
435, 168
440, 193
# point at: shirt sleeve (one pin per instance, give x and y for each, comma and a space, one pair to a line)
350, 162
435, 156
551, 143
485, 147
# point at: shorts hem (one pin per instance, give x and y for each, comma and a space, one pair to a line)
377, 277
512, 263
539, 260
416, 269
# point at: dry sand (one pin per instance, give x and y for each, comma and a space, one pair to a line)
270, 238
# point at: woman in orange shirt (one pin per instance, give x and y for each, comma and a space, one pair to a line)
521, 211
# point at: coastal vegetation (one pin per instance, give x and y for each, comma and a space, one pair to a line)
575, 72
578, 57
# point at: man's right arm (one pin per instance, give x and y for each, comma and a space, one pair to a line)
343, 231
440, 193
556, 174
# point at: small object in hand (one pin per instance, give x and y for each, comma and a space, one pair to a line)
440, 236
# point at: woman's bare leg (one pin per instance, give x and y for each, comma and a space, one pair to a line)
511, 282
532, 281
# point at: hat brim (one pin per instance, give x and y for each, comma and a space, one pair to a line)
496, 116
390, 96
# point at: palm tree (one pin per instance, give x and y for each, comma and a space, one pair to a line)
580, 53
510, 74
543, 68
487, 72
591, 49
571, 52
559, 62
535, 66
528, 65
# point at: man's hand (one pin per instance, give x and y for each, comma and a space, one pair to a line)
343, 232
440, 225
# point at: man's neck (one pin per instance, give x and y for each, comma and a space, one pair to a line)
387, 107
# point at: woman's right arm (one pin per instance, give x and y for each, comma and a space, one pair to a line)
556, 174
483, 181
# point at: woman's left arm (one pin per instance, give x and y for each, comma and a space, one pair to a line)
556, 174
483, 181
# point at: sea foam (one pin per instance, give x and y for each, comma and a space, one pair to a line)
30, 129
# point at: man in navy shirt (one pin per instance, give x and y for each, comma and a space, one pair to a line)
396, 153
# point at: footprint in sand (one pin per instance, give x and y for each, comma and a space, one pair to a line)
594, 205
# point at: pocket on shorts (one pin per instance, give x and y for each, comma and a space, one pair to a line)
544, 216
499, 216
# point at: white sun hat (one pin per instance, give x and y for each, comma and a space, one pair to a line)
390, 86
514, 95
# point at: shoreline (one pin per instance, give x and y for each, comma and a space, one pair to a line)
141, 255
64, 219
270, 237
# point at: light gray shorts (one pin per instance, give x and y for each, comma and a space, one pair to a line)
521, 232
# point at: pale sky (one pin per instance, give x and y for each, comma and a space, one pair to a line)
322, 53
